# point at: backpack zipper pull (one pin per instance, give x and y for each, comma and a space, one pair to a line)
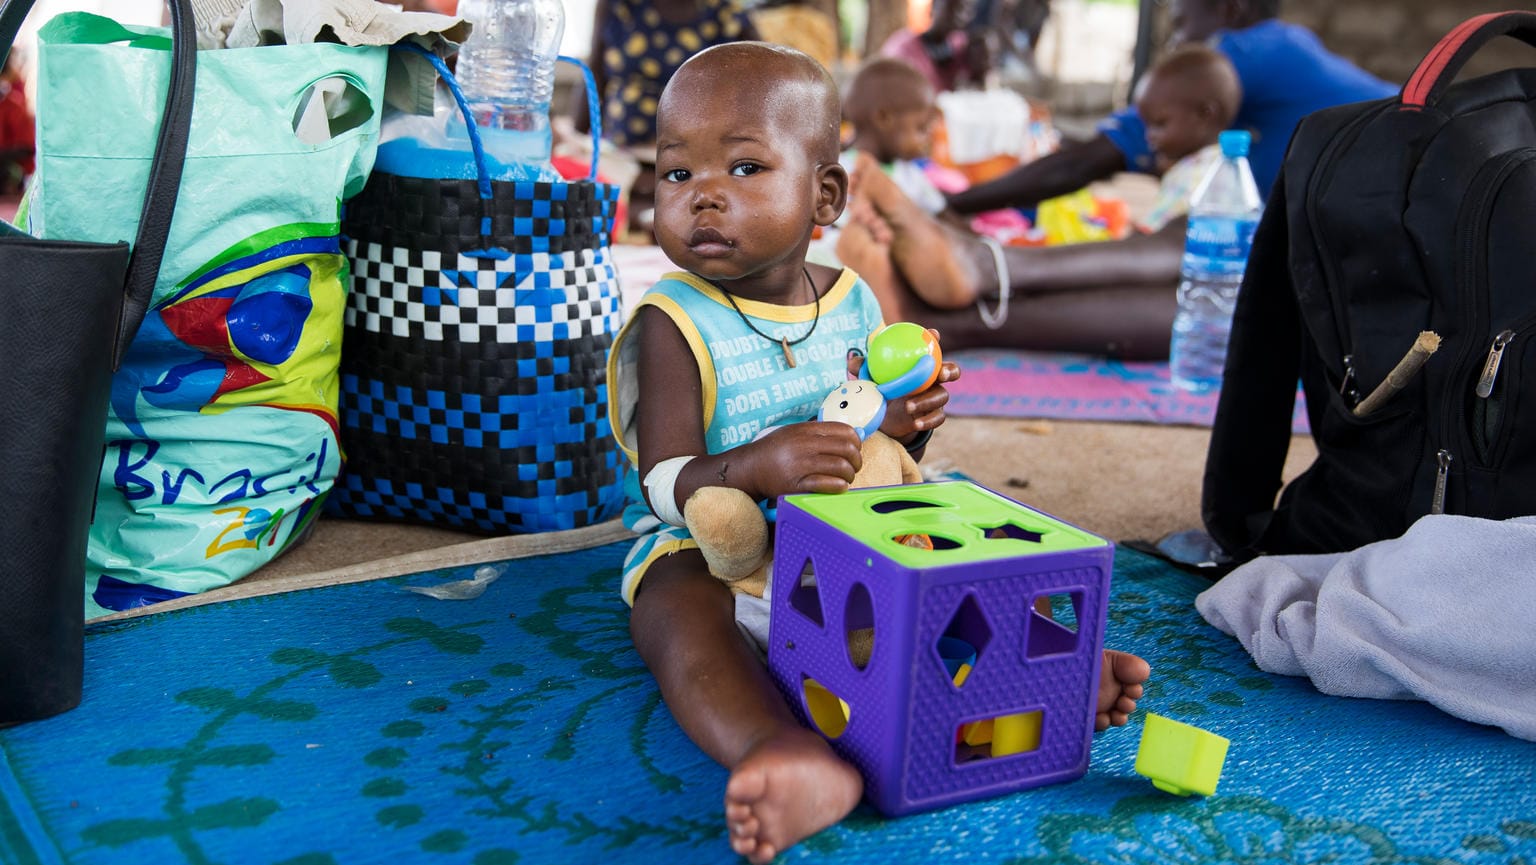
1437, 504
1347, 387
1491, 365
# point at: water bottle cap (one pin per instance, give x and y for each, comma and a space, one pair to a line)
1235, 142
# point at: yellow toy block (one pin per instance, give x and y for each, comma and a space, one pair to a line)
977, 732
1180, 758
1015, 734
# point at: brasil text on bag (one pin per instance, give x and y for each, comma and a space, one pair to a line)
474, 385
1391, 217
221, 439
70, 309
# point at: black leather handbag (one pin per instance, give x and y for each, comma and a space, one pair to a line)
68, 311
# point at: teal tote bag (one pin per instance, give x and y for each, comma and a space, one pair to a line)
221, 439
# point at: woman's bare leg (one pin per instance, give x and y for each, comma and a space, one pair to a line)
1131, 322
937, 268
940, 264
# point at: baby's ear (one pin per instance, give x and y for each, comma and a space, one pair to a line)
831, 192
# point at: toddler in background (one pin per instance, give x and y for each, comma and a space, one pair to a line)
1185, 102
891, 110
890, 107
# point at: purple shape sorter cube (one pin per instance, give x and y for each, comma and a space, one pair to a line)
932, 670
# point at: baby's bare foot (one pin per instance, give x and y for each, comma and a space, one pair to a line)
1120, 685
946, 267
789, 787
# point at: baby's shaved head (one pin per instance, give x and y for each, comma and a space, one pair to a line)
1201, 73
760, 78
889, 84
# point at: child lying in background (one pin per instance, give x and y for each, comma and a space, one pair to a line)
893, 113
1185, 102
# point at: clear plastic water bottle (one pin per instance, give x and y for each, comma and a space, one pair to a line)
506, 70
1223, 213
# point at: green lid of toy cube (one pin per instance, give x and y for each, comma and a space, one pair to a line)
964, 522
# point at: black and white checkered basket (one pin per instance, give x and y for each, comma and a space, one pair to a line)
473, 371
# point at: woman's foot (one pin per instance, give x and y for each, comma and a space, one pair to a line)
946, 267
787, 788
860, 249
1121, 677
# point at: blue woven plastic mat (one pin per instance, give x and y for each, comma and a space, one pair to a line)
363, 723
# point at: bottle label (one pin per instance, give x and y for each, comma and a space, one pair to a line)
1218, 244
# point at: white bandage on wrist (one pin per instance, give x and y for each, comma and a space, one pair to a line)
660, 487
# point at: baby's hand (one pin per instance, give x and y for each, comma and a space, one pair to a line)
809, 457
910, 415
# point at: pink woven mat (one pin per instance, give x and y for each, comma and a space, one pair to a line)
1001, 383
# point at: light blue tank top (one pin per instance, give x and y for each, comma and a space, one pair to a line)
747, 384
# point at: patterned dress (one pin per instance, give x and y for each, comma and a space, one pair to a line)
643, 50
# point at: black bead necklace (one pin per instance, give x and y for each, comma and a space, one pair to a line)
784, 342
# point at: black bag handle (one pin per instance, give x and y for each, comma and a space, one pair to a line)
1439, 67
164, 173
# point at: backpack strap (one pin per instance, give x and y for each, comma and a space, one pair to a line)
1252, 430
1439, 67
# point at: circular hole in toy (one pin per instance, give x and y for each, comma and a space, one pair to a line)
828, 712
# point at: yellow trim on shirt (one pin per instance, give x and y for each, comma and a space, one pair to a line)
702, 358
774, 311
701, 354
615, 424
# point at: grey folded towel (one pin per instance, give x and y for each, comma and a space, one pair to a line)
1445, 614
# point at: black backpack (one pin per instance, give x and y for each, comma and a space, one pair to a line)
1408, 214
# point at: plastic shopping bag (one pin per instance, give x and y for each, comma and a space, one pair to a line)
222, 433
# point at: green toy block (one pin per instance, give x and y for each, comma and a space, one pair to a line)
1180, 758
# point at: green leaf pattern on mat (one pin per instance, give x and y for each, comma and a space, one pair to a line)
1193, 662
581, 624
1236, 830
471, 736
1513, 844
181, 824
238, 813
310, 859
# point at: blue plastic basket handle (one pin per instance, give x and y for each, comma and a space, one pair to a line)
594, 113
